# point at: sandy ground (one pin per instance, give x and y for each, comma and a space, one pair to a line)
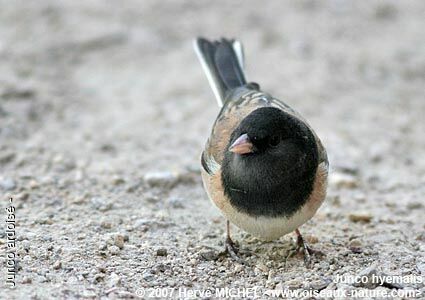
104, 111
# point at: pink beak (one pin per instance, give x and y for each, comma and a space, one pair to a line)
242, 145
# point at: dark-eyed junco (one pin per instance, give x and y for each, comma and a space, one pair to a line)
263, 166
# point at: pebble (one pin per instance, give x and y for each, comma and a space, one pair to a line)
360, 217
46, 221
341, 180
188, 176
142, 222
88, 294
114, 250
347, 168
57, 265
262, 267
119, 241
355, 243
319, 285
100, 204
81, 236
78, 200
26, 280
62, 163
335, 200
26, 245
21, 91
367, 276
171, 283
114, 280
209, 254
193, 167
421, 267
102, 268
7, 184
294, 283
160, 268
152, 198
28, 236
98, 277
421, 237
359, 198
148, 276
33, 184
239, 268
107, 148
187, 283
132, 187
103, 247
176, 202
7, 157
414, 205
161, 252
312, 239
106, 225
144, 226
22, 196
117, 180
160, 179
355, 246
79, 175
279, 286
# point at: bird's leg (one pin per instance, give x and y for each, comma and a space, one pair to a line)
301, 244
230, 245
231, 248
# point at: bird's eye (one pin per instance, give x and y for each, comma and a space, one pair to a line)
274, 140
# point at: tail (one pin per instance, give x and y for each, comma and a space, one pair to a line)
222, 62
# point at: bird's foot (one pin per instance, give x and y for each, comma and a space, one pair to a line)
306, 249
232, 250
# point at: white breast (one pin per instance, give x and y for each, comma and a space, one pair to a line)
269, 228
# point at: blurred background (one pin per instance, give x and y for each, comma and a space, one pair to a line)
104, 111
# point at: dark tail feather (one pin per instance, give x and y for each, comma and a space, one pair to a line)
222, 62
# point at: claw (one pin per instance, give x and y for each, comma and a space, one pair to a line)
307, 251
230, 247
232, 250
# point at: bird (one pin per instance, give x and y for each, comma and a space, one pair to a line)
263, 165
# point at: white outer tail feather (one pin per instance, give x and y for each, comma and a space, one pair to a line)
237, 47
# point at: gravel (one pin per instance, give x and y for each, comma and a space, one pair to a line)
104, 111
